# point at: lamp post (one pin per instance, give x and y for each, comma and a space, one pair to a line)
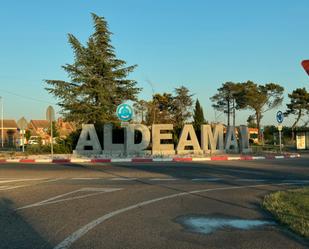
1, 121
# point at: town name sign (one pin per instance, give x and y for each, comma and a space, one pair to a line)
214, 139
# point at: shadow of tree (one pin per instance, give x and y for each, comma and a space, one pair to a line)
16, 232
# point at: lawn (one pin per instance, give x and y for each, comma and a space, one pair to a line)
290, 208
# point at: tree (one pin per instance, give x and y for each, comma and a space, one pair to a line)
182, 106
261, 98
160, 109
98, 80
140, 108
299, 105
198, 116
55, 130
251, 121
228, 99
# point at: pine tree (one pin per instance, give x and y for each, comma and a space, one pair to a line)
98, 80
198, 116
299, 105
182, 106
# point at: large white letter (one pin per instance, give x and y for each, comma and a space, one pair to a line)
109, 147
211, 139
188, 130
244, 139
131, 146
157, 136
231, 139
88, 138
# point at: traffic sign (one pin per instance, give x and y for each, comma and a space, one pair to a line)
22, 123
124, 112
279, 117
50, 114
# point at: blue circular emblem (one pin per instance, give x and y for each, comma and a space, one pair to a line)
279, 117
124, 112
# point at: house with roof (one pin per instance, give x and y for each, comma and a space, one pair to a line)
10, 132
39, 128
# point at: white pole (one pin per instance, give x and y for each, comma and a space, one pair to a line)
51, 135
280, 141
2, 137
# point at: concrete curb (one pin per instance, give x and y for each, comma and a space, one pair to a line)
146, 160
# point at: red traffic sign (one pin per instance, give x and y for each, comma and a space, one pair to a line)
305, 65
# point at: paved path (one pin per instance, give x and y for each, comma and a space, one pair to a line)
139, 205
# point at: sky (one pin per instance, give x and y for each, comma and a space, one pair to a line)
199, 44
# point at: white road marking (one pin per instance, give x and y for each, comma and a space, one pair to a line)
21, 180
56, 199
67, 242
122, 179
85, 178
164, 179
206, 179
251, 180
29, 185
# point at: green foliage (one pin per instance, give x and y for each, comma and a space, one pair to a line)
140, 109
27, 134
251, 122
166, 108
55, 130
159, 110
299, 104
98, 80
261, 98
228, 99
291, 208
198, 116
182, 106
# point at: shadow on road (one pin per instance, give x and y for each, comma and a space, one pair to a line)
16, 232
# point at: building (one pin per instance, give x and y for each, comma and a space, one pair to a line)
10, 133
39, 128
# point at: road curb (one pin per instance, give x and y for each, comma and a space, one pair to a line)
146, 160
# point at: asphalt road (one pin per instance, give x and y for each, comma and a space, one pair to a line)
140, 205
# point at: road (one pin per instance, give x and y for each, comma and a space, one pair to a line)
144, 205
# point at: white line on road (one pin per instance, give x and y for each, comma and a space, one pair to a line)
29, 185
122, 179
56, 199
67, 242
85, 178
163, 179
21, 180
206, 179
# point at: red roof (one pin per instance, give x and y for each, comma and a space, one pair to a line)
8, 124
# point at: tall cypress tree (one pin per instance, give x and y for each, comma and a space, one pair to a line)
98, 80
198, 116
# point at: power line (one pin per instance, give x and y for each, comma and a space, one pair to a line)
27, 97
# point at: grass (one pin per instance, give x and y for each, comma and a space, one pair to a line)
290, 208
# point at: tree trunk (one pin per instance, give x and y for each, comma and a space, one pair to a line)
258, 124
228, 112
295, 123
234, 114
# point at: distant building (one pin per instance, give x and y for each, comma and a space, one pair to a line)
39, 128
10, 132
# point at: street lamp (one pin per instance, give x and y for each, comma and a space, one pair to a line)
1, 121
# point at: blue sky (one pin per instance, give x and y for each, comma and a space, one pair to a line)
199, 44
